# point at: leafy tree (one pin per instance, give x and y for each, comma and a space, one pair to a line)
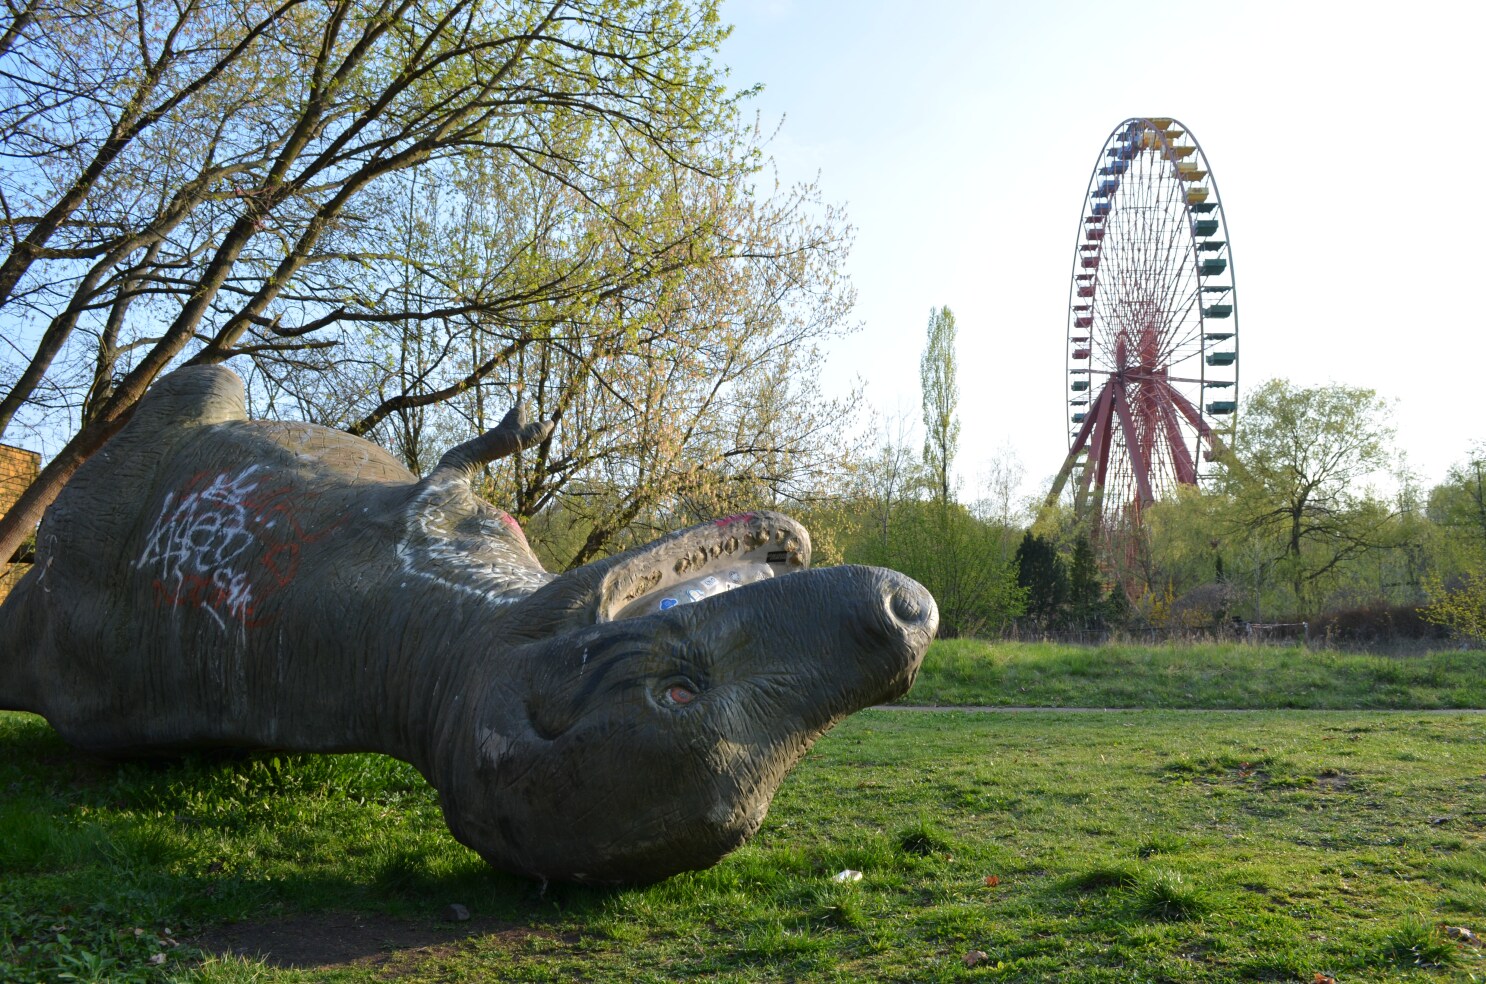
1460, 501
1456, 588
1195, 539
958, 557
1301, 490
1457, 509
427, 195
686, 396
941, 397
1459, 605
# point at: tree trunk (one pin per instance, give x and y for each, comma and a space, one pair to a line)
1297, 573
22, 518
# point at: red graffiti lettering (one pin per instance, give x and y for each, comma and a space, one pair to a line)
225, 543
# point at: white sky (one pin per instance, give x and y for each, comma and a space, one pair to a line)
1345, 142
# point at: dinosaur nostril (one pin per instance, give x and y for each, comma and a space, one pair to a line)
912, 607
906, 608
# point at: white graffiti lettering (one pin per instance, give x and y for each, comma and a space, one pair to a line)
196, 543
487, 565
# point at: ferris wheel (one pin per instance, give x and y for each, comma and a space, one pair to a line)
1151, 390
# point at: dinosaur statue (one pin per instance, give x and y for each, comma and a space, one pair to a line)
208, 581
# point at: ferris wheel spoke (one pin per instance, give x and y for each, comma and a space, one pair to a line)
1193, 415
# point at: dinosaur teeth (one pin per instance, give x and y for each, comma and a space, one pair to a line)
704, 560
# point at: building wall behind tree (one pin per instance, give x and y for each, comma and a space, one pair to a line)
18, 469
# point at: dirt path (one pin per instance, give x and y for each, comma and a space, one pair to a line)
995, 709
1018, 709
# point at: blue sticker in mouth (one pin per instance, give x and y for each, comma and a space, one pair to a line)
667, 603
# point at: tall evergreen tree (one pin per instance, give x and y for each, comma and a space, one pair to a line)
1085, 589
1042, 574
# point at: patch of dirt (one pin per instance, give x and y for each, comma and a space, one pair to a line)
1333, 780
339, 939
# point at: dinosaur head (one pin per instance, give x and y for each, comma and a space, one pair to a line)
660, 710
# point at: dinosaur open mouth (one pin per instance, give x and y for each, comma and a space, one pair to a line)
705, 560
726, 578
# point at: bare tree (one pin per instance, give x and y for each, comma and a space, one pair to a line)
891, 475
683, 389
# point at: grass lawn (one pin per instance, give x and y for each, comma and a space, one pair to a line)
1121, 846
1208, 675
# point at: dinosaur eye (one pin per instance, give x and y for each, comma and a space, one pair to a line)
680, 694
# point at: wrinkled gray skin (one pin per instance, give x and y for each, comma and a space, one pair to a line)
206, 581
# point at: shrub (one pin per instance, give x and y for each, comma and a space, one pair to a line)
1459, 607
1206, 606
1373, 624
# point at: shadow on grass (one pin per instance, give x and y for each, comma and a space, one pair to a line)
302, 861
321, 940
